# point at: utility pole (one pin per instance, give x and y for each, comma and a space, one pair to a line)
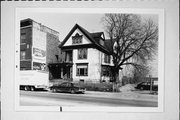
151, 83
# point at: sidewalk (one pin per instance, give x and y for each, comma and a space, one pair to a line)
131, 95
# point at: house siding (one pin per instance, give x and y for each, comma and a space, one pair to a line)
95, 56
94, 65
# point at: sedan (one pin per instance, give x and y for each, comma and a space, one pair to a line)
68, 87
146, 86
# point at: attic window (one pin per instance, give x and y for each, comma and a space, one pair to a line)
77, 39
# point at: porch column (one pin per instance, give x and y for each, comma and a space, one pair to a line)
61, 72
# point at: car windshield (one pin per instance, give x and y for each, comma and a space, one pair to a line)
63, 85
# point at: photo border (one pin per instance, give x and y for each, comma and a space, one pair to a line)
159, 12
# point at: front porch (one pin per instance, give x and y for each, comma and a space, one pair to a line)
60, 71
106, 73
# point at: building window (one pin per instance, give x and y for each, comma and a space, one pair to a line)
82, 69
22, 55
105, 71
23, 38
57, 57
106, 58
77, 39
82, 53
68, 56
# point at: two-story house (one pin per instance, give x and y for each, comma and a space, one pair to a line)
87, 56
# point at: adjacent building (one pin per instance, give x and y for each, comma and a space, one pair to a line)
38, 45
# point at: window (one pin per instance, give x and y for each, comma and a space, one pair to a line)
106, 58
22, 55
23, 37
82, 70
64, 84
82, 53
77, 39
81, 80
57, 57
68, 56
105, 71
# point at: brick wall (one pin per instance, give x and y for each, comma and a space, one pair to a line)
53, 53
52, 49
26, 46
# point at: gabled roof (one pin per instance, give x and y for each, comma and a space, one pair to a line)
90, 36
97, 34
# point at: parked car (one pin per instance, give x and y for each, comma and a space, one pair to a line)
146, 86
68, 87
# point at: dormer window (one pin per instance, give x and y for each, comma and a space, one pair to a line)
77, 39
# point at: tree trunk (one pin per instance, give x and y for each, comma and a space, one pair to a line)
116, 81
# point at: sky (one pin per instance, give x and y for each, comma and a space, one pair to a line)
64, 22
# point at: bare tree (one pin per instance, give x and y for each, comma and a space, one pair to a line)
134, 40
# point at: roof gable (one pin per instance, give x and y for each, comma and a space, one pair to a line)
77, 38
76, 26
91, 37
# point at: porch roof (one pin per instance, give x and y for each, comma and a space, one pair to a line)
63, 64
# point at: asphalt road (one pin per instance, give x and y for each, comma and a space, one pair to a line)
47, 98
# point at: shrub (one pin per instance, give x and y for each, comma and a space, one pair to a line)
105, 87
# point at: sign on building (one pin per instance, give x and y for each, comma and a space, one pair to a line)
38, 48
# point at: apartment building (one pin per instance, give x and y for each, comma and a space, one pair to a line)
38, 45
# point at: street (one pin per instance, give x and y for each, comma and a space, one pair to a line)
37, 98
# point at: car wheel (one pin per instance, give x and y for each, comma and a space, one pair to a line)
26, 88
72, 91
141, 88
54, 90
32, 88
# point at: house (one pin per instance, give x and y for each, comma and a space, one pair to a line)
38, 45
86, 57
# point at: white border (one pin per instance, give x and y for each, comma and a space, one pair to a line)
159, 12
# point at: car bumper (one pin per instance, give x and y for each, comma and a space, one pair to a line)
81, 90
